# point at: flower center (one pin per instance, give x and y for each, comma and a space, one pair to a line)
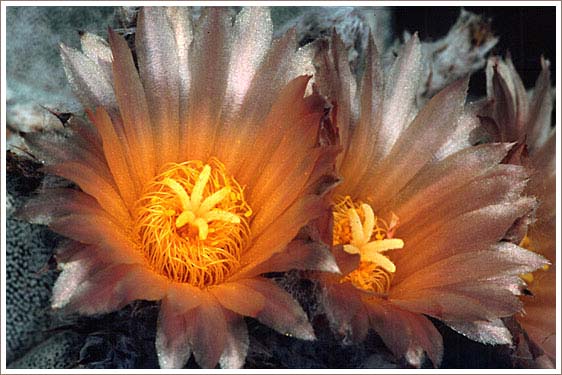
360, 232
192, 223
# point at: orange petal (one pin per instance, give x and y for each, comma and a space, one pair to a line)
137, 125
209, 333
239, 298
298, 255
172, 337
405, 333
237, 343
280, 311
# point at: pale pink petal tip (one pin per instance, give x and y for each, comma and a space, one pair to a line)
172, 340
487, 332
236, 348
73, 274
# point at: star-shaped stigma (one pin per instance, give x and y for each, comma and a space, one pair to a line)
361, 234
197, 211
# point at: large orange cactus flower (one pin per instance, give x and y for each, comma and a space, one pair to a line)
199, 170
418, 221
513, 115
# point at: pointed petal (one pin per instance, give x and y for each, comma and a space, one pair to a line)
116, 152
72, 276
256, 106
498, 186
342, 304
501, 260
298, 255
540, 111
252, 36
462, 136
487, 332
55, 203
98, 50
237, 343
159, 71
137, 126
510, 100
104, 191
88, 80
112, 288
208, 57
462, 302
334, 78
272, 240
239, 298
439, 240
360, 146
88, 133
417, 144
429, 186
280, 311
108, 237
181, 24
209, 333
80, 144
400, 87
406, 334
172, 338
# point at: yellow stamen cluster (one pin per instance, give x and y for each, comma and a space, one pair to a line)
192, 223
360, 232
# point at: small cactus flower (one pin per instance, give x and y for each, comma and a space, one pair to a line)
419, 219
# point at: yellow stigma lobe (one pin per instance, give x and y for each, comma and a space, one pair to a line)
360, 232
192, 223
197, 212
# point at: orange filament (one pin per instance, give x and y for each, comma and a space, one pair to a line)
370, 277
361, 232
192, 223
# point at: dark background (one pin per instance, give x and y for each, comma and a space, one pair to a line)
527, 32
